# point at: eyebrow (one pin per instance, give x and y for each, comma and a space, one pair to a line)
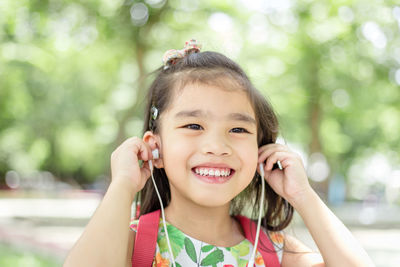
232, 116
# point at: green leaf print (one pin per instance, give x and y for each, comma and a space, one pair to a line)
235, 253
177, 264
213, 258
242, 263
244, 248
176, 237
190, 250
239, 251
207, 248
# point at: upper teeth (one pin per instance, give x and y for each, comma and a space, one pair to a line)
213, 171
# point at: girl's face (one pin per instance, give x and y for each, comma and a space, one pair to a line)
213, 129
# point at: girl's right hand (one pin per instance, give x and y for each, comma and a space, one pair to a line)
125, 166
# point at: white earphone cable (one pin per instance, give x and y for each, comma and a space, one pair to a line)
171, 256
253, 254
251, 262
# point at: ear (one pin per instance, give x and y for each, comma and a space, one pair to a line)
154, 142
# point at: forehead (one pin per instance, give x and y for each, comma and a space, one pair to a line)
211, 100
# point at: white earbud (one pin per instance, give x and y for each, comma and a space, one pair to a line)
156, 155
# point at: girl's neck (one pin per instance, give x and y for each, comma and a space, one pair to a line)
212, 225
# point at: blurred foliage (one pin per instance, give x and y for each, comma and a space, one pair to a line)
73, 75
18, 258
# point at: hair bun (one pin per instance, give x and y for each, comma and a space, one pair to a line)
171, 56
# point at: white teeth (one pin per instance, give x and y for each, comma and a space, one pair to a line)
212, 172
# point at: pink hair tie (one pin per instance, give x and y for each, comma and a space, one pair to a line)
171, 56
191, 46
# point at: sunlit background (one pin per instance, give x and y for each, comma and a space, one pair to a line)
73, 75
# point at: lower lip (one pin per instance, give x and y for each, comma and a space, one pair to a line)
213, 179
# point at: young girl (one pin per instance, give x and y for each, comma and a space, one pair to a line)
212, 128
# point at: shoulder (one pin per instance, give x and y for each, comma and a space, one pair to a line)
277, 239
295, 253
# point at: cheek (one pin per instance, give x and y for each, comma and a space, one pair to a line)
248, 154
251, 148
253, 164
253, 156
171, 144
175, 153
176, 146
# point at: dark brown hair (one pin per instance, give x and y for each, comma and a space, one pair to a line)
213, 68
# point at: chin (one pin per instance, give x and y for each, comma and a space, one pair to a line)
211, 200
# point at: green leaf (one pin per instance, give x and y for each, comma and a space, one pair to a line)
176, 237
191, 251
213, 258
177, 264
207, 248
242, 263
244, 248
235, 253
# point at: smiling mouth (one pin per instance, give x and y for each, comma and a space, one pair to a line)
213, 175
217, 172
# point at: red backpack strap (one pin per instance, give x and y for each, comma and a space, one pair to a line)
269, 255
146, 239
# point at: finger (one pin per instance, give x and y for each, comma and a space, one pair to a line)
268, 152
287, 162
145, 174
142, 149
266, 172
145, 171
274, 157
265, 154
270, 148
147, 151
266, 147
267, 177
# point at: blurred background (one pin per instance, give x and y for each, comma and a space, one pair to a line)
73, 75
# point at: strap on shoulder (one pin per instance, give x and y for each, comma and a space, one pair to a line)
269, 255
146, 239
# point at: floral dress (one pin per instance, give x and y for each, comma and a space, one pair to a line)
189, 251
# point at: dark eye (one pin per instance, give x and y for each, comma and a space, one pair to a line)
193, 126
239, 130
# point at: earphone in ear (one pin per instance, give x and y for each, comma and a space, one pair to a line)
156, 155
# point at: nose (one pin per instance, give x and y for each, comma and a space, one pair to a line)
216, 144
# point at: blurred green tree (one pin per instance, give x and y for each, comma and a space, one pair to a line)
74, 74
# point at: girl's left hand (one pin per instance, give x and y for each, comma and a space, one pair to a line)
292, 181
